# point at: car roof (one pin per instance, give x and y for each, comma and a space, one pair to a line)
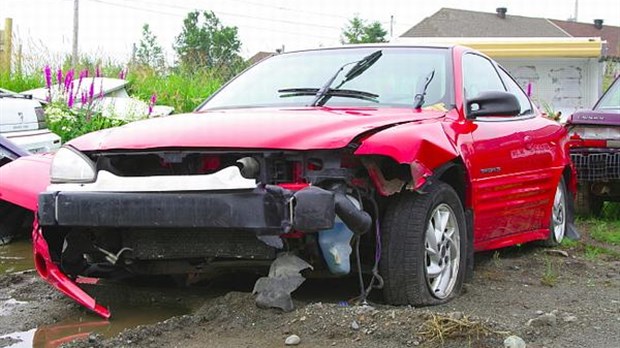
376, 45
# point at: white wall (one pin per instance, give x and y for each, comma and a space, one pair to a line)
561, 84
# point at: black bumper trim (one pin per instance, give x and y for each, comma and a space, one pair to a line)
253, 210
265, 210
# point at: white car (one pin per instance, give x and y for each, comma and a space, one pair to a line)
22, 121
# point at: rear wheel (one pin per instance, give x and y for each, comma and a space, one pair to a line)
587, 204
424, 247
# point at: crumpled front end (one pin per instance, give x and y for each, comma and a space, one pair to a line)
195, 212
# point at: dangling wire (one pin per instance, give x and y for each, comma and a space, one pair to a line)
376, 277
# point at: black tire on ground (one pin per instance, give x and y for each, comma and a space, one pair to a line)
587, 204
14, 221
404, 257
562, 221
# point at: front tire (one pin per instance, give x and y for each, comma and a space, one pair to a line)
559, 216
424, 247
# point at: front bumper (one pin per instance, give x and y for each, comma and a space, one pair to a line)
264, 210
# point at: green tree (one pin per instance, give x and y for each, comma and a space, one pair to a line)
359, 31
148, 52
206, 42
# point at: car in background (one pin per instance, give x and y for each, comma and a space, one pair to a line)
398, 161
111, 98
595, 152
22, 121
14, 220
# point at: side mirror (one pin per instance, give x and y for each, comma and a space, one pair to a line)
493, 103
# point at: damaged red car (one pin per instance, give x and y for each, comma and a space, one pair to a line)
398, 162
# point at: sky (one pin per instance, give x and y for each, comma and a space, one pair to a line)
108, 28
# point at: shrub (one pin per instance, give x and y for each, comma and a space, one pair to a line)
73, 110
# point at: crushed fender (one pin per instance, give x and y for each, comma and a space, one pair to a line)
274, 291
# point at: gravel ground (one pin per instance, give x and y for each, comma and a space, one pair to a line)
546, 298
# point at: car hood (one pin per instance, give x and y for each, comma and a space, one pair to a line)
595, 117
264, 128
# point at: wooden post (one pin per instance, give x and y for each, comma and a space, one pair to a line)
7, 39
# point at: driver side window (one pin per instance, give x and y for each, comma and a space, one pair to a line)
479, 75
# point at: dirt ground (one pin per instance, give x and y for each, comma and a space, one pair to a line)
550, 298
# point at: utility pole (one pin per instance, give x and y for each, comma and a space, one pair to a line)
74, 58
576, 10
391, 26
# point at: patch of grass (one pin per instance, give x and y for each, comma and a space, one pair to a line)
21, 82
592, 252
611, 211
182, 90
569, 243
550, 276
438, 327
606, 231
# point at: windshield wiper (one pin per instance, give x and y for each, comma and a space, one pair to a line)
322, 94
418, 99
350, 93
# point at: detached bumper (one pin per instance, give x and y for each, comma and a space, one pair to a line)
269, 210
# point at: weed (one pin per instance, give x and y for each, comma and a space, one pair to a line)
550, 276
439, 327
496, 259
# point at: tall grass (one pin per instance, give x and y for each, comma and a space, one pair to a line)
182, 90
20, 82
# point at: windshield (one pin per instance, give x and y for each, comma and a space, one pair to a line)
395, 79
611, 99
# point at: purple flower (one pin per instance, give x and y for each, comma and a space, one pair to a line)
122, 74
529, 89
84, 99
83, 74
91, 91
152, 102
48, 76
97, 71
69, 79
71, 99
59, 76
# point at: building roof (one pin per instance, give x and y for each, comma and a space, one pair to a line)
608, 33
448, 22
260, 56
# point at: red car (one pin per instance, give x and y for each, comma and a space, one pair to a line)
398, 161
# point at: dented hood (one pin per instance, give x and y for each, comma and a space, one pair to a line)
265, 128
